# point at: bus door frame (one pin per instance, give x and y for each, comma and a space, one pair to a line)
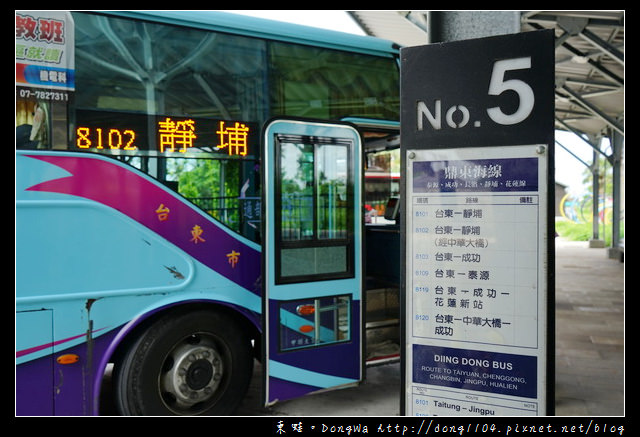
300, 359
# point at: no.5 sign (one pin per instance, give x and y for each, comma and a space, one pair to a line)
482, 92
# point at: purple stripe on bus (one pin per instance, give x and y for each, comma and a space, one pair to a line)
71, 385
282, 390
147, 203
47, 345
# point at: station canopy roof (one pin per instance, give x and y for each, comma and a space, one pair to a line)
589, 60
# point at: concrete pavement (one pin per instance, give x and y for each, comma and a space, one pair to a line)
589, 350
589, 331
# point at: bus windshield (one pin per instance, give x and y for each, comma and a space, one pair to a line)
185, 104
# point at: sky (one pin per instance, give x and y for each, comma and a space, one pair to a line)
324, 19
569, 170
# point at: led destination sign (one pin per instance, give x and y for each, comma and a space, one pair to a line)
97, 138
164, 134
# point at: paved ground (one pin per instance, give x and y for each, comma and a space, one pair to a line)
589, 332
589, 350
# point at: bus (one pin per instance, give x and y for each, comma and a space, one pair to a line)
190, 201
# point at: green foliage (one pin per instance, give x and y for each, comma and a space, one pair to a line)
212, 185
201, 180
574, 231
582, 231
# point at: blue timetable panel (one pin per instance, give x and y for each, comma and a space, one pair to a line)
475, 315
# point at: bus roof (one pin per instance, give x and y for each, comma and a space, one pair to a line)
269, 29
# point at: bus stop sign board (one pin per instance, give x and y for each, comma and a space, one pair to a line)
477, 148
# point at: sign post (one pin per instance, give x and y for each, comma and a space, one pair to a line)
477, 149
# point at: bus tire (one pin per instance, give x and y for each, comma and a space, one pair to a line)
190, 363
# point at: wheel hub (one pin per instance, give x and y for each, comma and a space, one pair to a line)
193, 376
199, 374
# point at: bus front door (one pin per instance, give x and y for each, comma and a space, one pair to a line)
312, 258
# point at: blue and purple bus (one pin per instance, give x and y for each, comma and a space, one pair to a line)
190, 192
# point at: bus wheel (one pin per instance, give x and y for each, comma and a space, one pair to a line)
193, 363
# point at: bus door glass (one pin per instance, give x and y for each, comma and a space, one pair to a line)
312, 277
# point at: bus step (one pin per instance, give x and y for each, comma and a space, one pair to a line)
382, 353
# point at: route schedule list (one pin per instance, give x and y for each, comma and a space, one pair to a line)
474, 304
